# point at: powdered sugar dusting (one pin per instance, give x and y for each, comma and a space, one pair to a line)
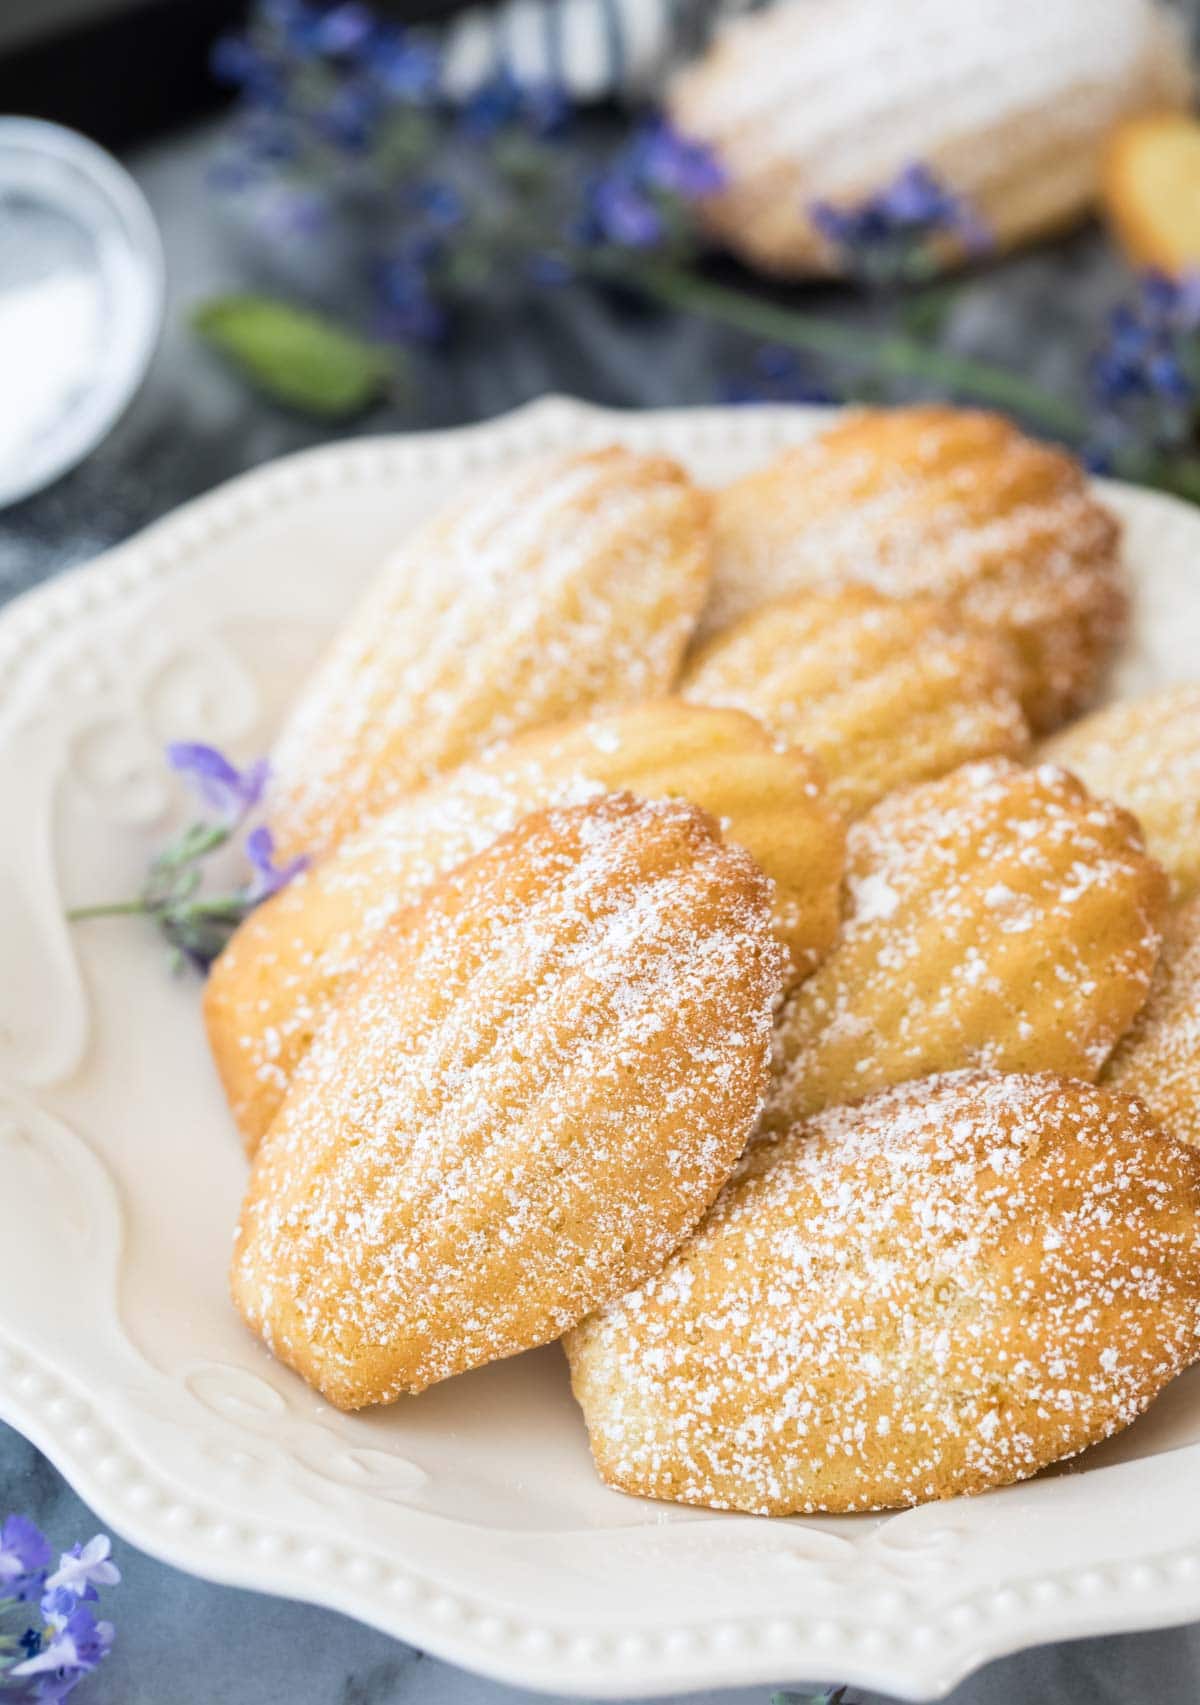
1159, 1060
939, 1291
941, 502
283, 970
997, 917
1145, 754
530, 1094
571, 581
882, 692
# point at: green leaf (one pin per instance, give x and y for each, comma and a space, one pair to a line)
299, 358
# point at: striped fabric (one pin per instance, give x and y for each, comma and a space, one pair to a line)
592, 49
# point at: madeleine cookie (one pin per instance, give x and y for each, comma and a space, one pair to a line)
883, 691
1008, 104
943, 502
272, 987
569, 582
939, 1291
534, 1088
1159, 1060
1145, 754
997, 917
1151, 183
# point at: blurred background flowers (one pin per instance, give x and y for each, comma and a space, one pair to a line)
412, 214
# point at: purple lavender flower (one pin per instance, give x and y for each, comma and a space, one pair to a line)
504, 101
637, 201
410, 70
269, 877
72, 1647
675, 163
408, 306
24, 1558
776, 375
220, 784
625, 214
1145, 378
893, 235
84, 1568
343, 30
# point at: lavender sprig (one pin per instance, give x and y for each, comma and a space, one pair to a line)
1145, 376
904, 232
45, 1659
196, 924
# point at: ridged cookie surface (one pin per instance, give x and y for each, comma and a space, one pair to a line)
569, 582
939, 1291
1145, 754
998, 917
269, 991
943, 502
883, 691
1008, 102
529, 1095
1159, 1060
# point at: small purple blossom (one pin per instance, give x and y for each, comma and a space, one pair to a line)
24, 1558
506, 101
220, 784
776, 375
1145, 377
269, 877
343, 30
73, 1645
893, 235
67, 1642
198, 924
676, 163
635, 202
84, 1568
409, 70
408, 308
625, 214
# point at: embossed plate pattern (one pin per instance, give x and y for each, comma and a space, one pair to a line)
467, 1521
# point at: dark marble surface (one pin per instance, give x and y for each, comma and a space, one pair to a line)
181, 1640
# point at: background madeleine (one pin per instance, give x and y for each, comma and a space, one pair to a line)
938, 1291
997, 917
832, 99
882, 691
528, 1096
571, 581
1145, 754
271, 988
944, 502
1159, 1060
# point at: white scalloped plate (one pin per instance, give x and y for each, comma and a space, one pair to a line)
467, 1521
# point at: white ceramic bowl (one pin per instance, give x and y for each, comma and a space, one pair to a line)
72, 219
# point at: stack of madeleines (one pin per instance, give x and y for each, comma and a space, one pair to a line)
721, 950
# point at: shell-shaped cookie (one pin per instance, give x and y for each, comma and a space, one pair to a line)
942, 502
1159, 1059
997, 917
882, 691
572, 581
939, 1291
1009, 102
272, 987
1145, 754
529, 1095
